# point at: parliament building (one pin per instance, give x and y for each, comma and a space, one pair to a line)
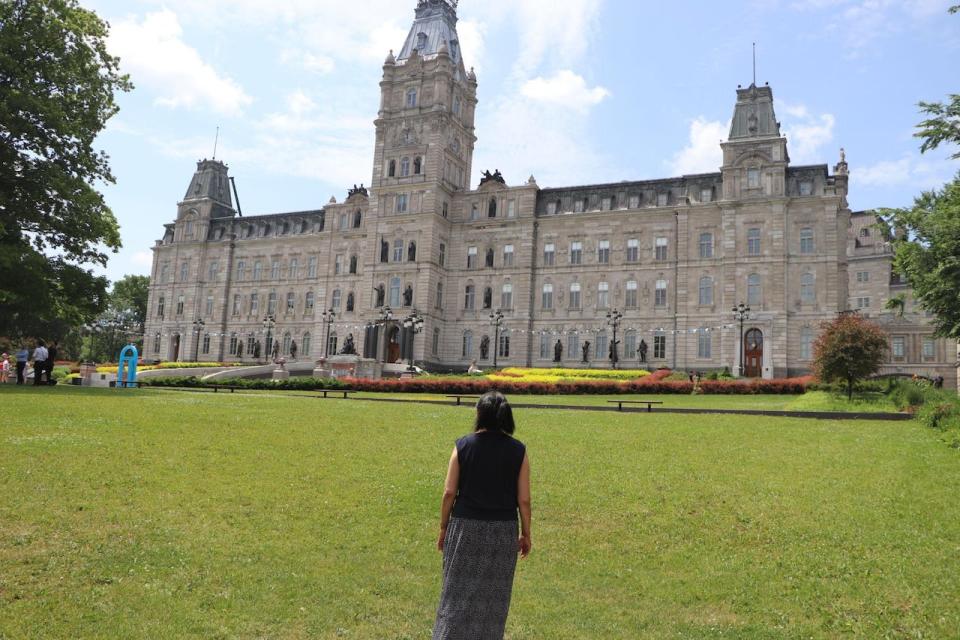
673, 256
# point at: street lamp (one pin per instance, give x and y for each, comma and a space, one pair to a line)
198, 325
741, 313
386, 315
613, 319
329, 316
414, 323
269, 322
496, 319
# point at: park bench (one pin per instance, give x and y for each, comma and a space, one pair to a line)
649, 403
226, 387
460, 395
345, 392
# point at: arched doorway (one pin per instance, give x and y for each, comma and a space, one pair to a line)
175, 348
753, 354
393, 344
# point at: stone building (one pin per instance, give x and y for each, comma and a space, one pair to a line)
672, 256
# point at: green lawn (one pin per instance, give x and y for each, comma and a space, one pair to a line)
163, 514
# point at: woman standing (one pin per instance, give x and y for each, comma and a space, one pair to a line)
488, 481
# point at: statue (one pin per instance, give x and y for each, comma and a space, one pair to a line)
256, 350
484, 347
381, 295
408, 296
496, 176
586, 351
488, 298
293, 349
643, 351
240, 350
384, 251
276, 349
349, 348
361, 190
558, 352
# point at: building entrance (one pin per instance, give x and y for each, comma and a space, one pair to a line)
753, 354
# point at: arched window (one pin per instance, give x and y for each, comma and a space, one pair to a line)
332, 343
808, 290
351, 301
488, 298
353, 265
504, 346
806, 241
395, 292
257, 270
439, 304
806, 343
335, 299
753, 289
412, 252
404, 167
392, 169
156, 342
706, 290
357, 219
467, 344
411, 98
305, 344
286, 343
492, 208
417, 165
603, 295
309, 302
575, 295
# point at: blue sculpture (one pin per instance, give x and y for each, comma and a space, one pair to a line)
128, 362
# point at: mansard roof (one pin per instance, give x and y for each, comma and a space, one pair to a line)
434, 28
753, 116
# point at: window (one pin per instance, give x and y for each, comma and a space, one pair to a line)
808, 292
634, 202
603, 252
633, 250
504, 344
439, 304
398, 251
578, 206
660, 294
293, 271
156, 343
254, 303
392, 169
160, 305
402, 203
233, 344
411, 98
338, 264
899, 347
417, 166
467, 344
865, 232
180, 305
332, 342
468, 297
214, 270
511, 208
257, 271
446, 209
704, 344
706, 245
806, 343
351, 302
544, 346
806, 188
492, 208
184, 271
659, 345
188, 230
394, 292
661, 249
753, 289
506, 296
435, 345
863, 303
547, 299
272, 304
629, 344
549, 254
601, 348
806, 241
706, 194
863, 276
487, 298
357, 219
489, 257
236, 304
309, 302
353, 263
456, 105
472, 257
706, 290
603, 295
287, 340
753, 242
551, 208
929, 348
241, 270
606, 203
335, 299
508, 255
251, 343
753, 178
209, 309
165, 272
576, 252
575, 295
573, 345
312, 267
404, 167
630, 300
305, 345
274, 270
663, 199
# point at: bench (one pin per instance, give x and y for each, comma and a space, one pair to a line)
345, 392
458, 396
649, 403
226, 387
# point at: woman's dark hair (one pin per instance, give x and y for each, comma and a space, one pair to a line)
494, 413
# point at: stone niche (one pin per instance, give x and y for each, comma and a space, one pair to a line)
348, 366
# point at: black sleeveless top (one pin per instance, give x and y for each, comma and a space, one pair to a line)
489, 468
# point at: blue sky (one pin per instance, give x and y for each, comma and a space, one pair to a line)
571, 91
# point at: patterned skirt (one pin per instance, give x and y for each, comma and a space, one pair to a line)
479, 559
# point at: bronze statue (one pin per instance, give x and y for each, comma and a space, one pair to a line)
349, 349
643, 351
408, 296
558, 352
586, 351
381, 295
484, 347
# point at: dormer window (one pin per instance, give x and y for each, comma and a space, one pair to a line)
706, 194
411, 98
806, 188
663, 198
421, 41
753, 178
551, 208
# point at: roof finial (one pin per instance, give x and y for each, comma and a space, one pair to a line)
754, 64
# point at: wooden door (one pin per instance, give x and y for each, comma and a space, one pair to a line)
753, 354
393, 345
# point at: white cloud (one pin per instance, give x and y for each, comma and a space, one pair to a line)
142, 259
565, 88
807, 137
155, 55
910, 169
703, 153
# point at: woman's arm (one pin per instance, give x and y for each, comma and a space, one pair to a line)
523, 499
449, 495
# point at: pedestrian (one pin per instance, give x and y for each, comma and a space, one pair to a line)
23, 354
39, 362
52, 352
5, 369
488, 481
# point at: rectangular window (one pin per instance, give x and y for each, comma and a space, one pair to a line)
573, 345
576, 252
160, 305
706, 245
929, 348
508, 255
511, 208
184, 271
704, 344
753, 242
551, 208
506, 297
474, 211
863, 303
254, 303
899, 347
272, 304
504, 345
806, 188
439, 304
274, 270
806, 343
241, 270
435, 346
398, 251
634, 202
575, 295
806, 241
630, 300
663, 199
606, 203
863, 276
293, 271
257, 269
472, 258
394, 292
603, 252
291, 302
206, 344
661, 249
402, 203
659, 346
236, 304
633, 250
312, 267
469, 298
547, 300
443, 254
603, 295
180, 305
549, 254
214, 271
602, 347
706, 194
338, 264
630, 344
209, 309
753, 178
578, 206
660, 296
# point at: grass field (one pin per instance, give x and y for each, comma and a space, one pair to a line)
161, 514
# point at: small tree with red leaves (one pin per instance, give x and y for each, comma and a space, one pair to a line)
849, 349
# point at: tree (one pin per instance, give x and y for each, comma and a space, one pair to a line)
57, 86
897, 304
130, 294
125, 317
849, 349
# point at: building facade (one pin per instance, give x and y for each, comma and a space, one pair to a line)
672, 256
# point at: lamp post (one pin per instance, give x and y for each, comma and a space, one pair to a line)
198, 325
385, 317
329, 317
741, 313
496, 319
613, 319
414, 323
269, 322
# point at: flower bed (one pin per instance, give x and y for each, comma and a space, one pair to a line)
171, 365
568, 375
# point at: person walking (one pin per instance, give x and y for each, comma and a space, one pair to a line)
488, 481
5, 369
39, 362
23, 354
52, 352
